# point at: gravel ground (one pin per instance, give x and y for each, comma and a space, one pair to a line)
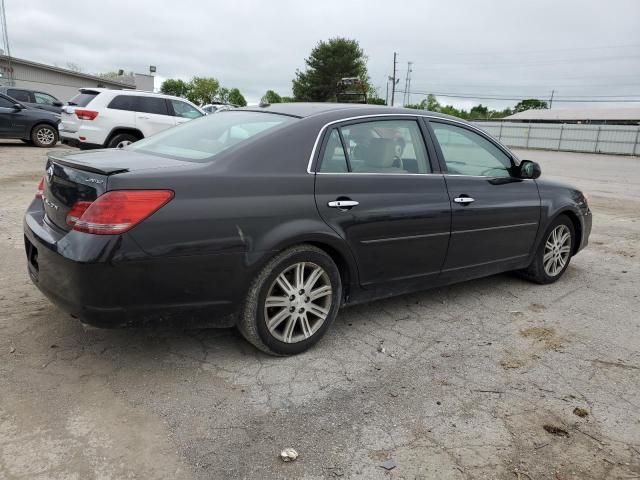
467, 380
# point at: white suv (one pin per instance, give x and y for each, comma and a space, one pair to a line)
103, 118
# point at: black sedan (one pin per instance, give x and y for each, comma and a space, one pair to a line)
273, 218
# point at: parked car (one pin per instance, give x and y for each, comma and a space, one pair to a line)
31, 125
33, 98
273, 218
103, 118
218, 107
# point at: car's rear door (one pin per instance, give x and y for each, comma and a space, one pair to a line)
376, 186
495, 215
152, 115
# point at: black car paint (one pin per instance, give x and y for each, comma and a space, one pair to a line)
19, 121
193, 261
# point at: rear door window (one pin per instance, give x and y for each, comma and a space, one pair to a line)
83, 99
122, 102
155, 105
20, 95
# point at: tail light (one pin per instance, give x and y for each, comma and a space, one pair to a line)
86, 114
40, 189
116, 211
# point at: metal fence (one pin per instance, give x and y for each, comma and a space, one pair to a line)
613, 139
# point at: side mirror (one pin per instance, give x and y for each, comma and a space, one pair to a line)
529, 169
57, 103
17, 107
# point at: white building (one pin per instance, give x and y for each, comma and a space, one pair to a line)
60, 82
595, 115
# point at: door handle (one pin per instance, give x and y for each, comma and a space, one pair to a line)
464, 200
343, 204
144, 117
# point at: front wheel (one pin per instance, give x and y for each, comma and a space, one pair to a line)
292, 302
554, 253
44, 136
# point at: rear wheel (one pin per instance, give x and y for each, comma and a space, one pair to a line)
554, 253
292, 302
44, 136
121, 140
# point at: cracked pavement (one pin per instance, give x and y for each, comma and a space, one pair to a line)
466, 382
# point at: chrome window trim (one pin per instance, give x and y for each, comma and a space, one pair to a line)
378, 115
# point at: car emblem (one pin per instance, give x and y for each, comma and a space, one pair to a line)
49, 173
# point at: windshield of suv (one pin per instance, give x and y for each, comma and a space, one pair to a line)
201, 140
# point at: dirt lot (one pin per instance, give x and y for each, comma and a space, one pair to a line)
479, 380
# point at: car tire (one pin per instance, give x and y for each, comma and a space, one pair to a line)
554, 253
294, 321
44, 136
122, 140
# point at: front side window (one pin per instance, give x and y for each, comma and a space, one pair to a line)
44, 98
155, 105
5, 103
19, 95
467, 153
386, 146
201, 140
183, 109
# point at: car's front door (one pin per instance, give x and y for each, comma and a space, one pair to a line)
494, 214
376, 187
7, 112
183, 112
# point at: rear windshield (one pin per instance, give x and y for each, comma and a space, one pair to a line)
82, 99
201, 140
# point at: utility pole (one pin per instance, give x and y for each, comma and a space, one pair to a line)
386, 98
5, 41
551, 99
393, 86
407, 85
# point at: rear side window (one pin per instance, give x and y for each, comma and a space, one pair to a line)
83, 99
155, 105
122, 102
334, 160
19, 95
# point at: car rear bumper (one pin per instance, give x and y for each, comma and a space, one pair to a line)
107, 281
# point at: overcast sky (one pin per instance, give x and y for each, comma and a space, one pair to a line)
489, 47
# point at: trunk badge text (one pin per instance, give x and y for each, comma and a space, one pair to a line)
94, 180
49, 203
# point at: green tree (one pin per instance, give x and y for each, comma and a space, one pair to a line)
288, 99
327, 64
203, 90
479, 111
530, 104
236, 98
271, 97
223, 95
176, 87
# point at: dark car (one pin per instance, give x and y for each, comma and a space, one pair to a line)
31, 125
273, 218
34, 98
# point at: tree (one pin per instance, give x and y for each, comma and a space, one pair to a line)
236, 98
327, 64
176, 87
203, 90
479, 111
223, 95
271, 97
530, 104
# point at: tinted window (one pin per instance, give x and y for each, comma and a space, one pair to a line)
20, 95
202, 140
154, 105
83, 99
183, 109
6, 103
122, 102
467, 153
44, 98
388, 146
334, 159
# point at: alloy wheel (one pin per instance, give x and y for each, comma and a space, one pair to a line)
45, 136
123, 143
298, 302
557, 250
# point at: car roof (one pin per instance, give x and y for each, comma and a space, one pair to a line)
139, 93
310, 109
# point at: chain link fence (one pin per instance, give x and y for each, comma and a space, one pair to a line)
611, 139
